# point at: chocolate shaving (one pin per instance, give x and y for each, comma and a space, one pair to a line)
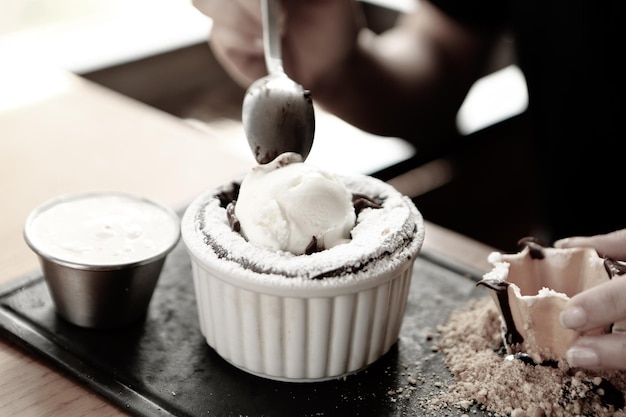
535, 246
227, 195
362, 201
313, 247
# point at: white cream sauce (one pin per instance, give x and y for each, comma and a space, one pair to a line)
103, 229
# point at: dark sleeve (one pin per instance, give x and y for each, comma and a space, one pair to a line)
487, 14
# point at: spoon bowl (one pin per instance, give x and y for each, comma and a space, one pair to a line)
278, 117
277, 112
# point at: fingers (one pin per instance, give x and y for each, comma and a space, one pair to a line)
244, 64
596, 307
236, 37
611, 244
599, 352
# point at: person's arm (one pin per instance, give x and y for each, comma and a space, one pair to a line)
405, 82
597, 307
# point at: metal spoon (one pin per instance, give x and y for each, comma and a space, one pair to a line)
277, 112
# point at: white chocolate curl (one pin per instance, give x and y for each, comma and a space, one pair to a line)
285, 204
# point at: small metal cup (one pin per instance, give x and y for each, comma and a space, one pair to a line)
100, 296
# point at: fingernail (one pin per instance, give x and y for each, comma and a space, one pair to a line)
582, 357
573, 317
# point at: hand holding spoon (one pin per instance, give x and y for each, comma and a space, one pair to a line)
277, 112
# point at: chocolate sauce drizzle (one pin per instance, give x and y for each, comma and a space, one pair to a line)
512, 336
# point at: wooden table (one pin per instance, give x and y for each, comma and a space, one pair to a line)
60, 133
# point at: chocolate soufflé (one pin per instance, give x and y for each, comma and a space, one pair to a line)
309, 317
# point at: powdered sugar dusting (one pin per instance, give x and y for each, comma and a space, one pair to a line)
394, 232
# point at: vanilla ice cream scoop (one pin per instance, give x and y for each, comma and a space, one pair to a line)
291, 206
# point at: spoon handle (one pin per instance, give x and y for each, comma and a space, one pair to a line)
270, 10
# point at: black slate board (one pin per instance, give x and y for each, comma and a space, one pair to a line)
162, 365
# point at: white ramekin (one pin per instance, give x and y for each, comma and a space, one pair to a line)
291, 326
